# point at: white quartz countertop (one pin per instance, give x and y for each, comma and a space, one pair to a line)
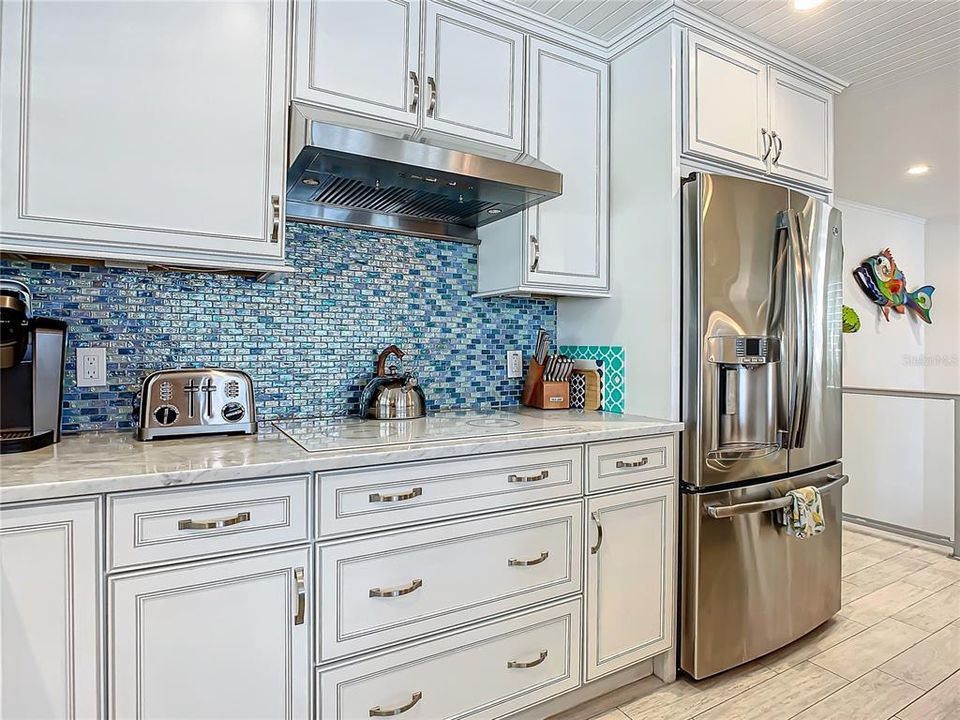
94, 463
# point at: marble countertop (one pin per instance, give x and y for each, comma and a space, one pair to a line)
95, 463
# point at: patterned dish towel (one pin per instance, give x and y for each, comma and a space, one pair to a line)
804, 517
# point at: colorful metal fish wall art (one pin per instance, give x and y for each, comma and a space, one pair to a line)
885, 284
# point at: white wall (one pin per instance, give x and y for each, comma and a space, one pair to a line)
883, 354
899, 451
942, 338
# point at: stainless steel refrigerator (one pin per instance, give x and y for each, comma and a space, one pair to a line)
762, 406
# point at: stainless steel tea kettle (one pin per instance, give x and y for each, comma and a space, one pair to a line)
392, 395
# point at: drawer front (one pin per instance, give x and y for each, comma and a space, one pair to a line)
171, 525
399, 585
360, 500
489, 671
622, 463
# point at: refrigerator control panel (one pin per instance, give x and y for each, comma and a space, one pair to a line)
743, 349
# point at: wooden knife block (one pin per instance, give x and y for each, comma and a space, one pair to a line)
538, 393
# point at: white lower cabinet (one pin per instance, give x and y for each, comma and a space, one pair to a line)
223, 639
630, 558
489, 671
50, 645
396, 586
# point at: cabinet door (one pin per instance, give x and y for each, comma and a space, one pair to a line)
802, 116
225, 639
50, 661
725, 104
148, 131
630, 568
568, 130
362, 57
474, 77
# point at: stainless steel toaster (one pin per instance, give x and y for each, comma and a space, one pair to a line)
196, 401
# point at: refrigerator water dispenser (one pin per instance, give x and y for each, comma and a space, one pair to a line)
746, 403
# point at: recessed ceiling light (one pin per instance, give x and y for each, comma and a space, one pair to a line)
802, 5
920, 169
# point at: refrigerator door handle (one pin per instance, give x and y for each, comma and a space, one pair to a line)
726, 511
800, 401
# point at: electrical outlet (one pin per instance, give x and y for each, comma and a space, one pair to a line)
514, 364
91, 366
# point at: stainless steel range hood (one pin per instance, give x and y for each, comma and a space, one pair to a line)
356, 178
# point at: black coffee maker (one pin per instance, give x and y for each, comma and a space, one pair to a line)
32, 351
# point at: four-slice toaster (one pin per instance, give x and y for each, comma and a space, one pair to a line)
196, 401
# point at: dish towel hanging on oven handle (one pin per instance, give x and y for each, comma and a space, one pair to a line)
803, 517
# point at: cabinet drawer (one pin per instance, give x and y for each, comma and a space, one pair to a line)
487, 672
360, 500
170, 525
629, 462
399, 585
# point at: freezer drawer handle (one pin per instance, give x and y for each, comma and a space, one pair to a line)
727, 511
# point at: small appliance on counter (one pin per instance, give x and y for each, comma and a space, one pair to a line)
32, 351
392, 395
196, 401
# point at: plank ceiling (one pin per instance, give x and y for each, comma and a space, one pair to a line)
859, 40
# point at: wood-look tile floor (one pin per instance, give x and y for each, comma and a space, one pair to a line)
893, 651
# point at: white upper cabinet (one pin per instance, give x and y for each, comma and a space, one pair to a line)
801, 115
360, 56
726, 103
561, 246
50, 648
568, 105
631, 560
741, 111
144, 131
463, 79
225, 639
473, 71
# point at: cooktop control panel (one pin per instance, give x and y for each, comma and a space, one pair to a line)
196, 401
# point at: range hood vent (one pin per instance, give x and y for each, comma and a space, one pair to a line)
357, 178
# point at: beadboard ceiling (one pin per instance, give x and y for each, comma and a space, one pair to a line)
860, 41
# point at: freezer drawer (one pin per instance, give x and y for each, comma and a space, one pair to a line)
748, 588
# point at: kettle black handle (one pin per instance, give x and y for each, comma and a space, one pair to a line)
382, 358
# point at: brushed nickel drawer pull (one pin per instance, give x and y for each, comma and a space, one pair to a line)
514, 562
189, 524
301, 597
275, 204
379, 592
533, 663
640, 463
416, 91
398, 497
432, 85
543, 475
595, 516
414, 699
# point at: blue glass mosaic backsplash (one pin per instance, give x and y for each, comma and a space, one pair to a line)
309, 341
